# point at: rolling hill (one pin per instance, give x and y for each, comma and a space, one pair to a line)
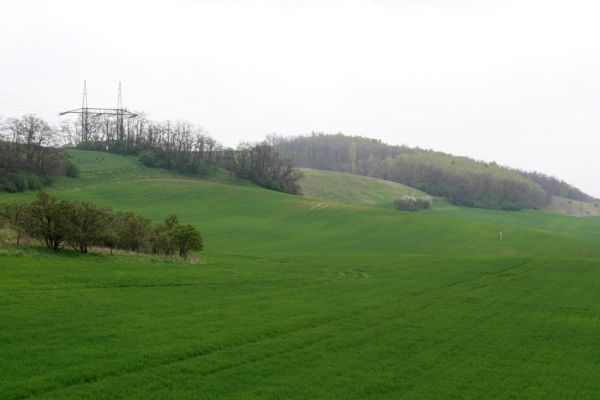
321, 296
461, 180
348, 188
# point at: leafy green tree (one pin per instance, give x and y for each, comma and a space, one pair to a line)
160, 238
86, 225
132, 231
47, 220
186, 238
16, 216
171, 221
110, 234
71, 169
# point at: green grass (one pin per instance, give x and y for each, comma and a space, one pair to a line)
303, 298
561, 205
348, 188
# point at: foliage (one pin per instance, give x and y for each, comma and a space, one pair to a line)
86, 225
261, 164
13, 182
178, 146
188, 149
339, 152
15, 214
409, 203
288, 284
185, 238
82, 224
557, 187
132, 230
47, 220
462, 180
467, 182
71, 169
27, 156
348, 188
26, 150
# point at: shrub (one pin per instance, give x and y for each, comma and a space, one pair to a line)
82, 225
71, 169
408, 203
148, 158
13, 182
186, 238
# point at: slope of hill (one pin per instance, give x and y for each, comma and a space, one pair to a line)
103, 167
561, 205
467, 182
303, 298
348, 188
462, 180
558, 188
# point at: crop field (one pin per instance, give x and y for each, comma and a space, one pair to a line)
303, 297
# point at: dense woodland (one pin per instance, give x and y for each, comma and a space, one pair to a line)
557, 187
462, 180
81, 225
339, 152
467, 182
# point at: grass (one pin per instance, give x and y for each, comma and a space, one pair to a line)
348, 188
575, 208
303, 298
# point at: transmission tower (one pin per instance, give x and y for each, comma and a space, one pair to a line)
92, 112
84, 114
120, 127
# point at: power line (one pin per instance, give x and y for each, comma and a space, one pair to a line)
87, 112
30, 100
26, 106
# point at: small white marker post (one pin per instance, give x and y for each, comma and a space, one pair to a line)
501, 238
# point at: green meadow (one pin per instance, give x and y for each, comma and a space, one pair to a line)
329, 295
348, 188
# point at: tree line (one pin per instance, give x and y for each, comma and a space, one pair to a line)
186, 148
557, 187
260, 163
467, 182
30, 154
81, 225
462, 180
352, 154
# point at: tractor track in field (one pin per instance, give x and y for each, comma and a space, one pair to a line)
188, 356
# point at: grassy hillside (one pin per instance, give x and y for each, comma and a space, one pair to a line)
463, 181
303, 298
348, 188
575, 208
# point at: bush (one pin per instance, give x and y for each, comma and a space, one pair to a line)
13, 182
71, 169
408, 203
81, 225
148, 158
185, 238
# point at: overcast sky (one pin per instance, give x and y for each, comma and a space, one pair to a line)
517, 82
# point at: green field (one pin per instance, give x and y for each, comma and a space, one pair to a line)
303, 297
348, 188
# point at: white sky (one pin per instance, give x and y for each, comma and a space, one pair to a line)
517, 82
